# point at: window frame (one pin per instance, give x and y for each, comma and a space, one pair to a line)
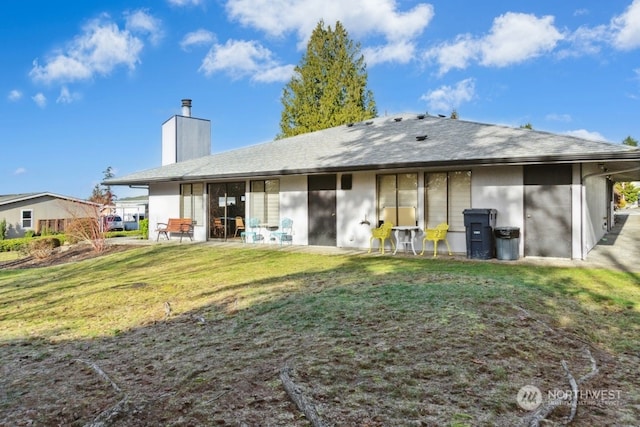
23, 219
399, 195
193, 199
264, 201
454, 202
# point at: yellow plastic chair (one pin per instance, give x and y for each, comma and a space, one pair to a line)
435, 235
383, 233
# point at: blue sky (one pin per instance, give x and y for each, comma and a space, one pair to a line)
87, 85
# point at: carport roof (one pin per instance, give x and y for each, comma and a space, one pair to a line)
396, 142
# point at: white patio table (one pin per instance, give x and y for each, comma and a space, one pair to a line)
409, 233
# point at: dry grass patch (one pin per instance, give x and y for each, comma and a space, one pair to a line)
372, 341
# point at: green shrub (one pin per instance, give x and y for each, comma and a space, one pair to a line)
144, 228
14, 245
29, 233
22, 243
3, 228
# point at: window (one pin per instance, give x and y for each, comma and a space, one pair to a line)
27, 218
398, 198
265, 201
447, 195
192, 202
346, 181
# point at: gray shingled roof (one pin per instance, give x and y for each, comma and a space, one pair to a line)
7, 199
386, 142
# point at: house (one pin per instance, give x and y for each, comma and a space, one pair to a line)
338, 183
40, 212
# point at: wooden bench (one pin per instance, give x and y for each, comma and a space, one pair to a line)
176, 225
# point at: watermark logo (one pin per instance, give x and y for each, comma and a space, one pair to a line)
529, 397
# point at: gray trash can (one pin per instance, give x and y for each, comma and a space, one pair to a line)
479, 225
507, 243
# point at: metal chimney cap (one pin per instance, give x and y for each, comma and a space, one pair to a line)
186, 107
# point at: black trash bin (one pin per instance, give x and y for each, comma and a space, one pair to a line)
479, 225
507, 243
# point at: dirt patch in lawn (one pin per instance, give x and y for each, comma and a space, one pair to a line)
62, 255
459, 363
434, 346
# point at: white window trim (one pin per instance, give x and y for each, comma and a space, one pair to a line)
22, 219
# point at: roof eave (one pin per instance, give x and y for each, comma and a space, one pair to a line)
577, 158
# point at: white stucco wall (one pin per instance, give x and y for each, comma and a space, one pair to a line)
169, 147
164, 203
293, 204
500, 188
353, 207
496, 187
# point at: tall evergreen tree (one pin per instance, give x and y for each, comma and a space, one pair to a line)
329, 86
630, 141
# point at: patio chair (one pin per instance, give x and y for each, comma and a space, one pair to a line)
435, 235
383, 233
239, 226
218, 227
253, 233
284, 233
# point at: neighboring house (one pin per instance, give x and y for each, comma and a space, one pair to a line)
338, 183
132, 210
42, 211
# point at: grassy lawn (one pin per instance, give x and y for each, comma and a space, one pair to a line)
370, 340
10, 256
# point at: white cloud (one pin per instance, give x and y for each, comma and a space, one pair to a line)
241, 58
140, 21
181, 3
447, 98
401, 52
455, 55
585, 40
67, 97
274, 74
100, 49
622, 33
198, 37
513, 38
40, 100
20, 171
626, 28
14, 95
585, 134
517, 37
362, 18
